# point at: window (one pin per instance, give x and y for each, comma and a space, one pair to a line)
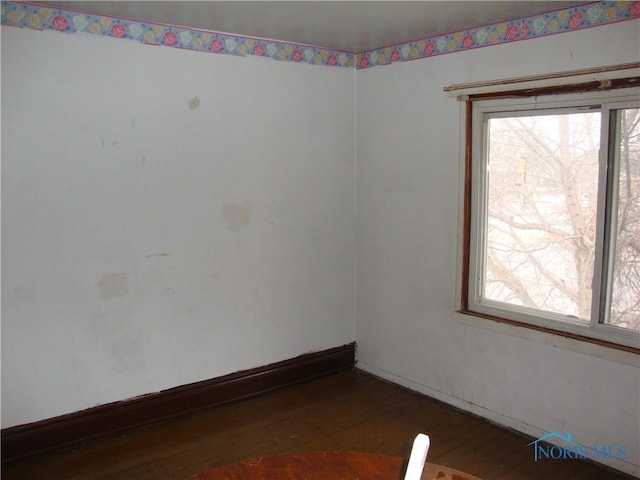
553, 214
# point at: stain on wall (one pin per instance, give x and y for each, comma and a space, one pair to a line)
113, 285
110, 319
194, 103
236, 216
19, 295
127, 355
159, 254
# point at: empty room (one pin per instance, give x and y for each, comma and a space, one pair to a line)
253, 234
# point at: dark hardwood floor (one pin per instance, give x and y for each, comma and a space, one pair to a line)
349, 411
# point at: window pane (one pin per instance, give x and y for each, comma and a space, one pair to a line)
541, 211
625, 297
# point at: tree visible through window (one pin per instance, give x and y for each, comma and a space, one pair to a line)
625, 296
542, 195
556, 232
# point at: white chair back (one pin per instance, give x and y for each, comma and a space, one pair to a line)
418, 457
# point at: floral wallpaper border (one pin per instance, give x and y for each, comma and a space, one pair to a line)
559, 21
43, 17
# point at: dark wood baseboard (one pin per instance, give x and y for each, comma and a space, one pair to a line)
32, 439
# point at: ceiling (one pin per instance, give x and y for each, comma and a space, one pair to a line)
352, 26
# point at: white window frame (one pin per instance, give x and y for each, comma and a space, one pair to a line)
475, 303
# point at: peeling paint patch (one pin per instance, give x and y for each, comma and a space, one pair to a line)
236, 216
113, 285
194, 103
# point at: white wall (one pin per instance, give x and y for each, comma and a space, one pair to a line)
167, 217
171, 216
408, 178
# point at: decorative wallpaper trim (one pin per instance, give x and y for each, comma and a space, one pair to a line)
559, 21
43, 17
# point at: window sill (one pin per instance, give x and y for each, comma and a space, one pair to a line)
568, 341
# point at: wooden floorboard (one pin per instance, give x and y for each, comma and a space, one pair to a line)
349, 411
